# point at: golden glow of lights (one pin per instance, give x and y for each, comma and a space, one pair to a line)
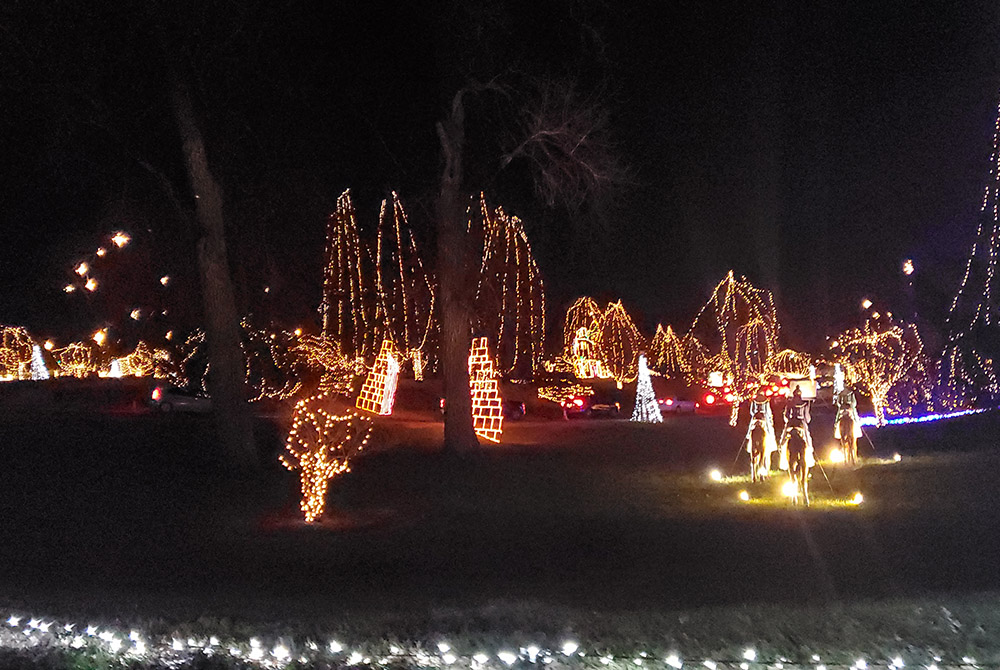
120, 239
744, 496
379, 389
896, 458
789, 489
165, 279
16, 348
857, 499
560, 393
487, 407
320, 445
740, 323
135, 314
836, 456
75, 359
82, 269
886, 359
91, 284
49, 344
866, 303
140, 363
715, 476
510, 296
619, 342
101, 251
908, 267
100, 337
667, 354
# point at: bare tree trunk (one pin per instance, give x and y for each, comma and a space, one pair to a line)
226, 379
455, 286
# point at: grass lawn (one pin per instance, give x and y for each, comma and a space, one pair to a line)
606, 531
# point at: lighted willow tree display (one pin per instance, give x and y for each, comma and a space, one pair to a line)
347, 309
646, 409
583, 313
620, 343
510, 295
15, 352
967, 373
740, 326
667, 354
405, 288
881, 355
581, 339
321, 445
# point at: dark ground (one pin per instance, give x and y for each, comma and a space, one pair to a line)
131, 514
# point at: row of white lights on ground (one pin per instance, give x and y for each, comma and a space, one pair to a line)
28, 633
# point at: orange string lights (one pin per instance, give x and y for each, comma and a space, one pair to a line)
405, 288
320, 446
883, 356
667, 354
510, 296
487, 407
15, 353
379, 389
346, 309
620, 343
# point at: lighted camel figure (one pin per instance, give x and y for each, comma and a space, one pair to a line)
798, 465
321, 445
847, 426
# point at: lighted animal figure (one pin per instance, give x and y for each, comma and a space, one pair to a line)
798, 463
796, 443
321, 445
760, 442
847, 426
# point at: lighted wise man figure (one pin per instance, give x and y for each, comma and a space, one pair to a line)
760, 414
321, 445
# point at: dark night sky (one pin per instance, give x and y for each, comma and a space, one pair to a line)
809, 146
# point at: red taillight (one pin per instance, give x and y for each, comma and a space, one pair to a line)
670, 401
157, 394
578, 402
709, 399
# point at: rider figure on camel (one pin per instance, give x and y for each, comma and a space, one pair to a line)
761, 406
797, 415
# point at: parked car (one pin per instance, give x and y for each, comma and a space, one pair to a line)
176, 399
678, 404
600, 404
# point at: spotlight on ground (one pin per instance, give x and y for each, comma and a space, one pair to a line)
897, 458
789, 489
836, 456
715, 476
857, 499
744, 496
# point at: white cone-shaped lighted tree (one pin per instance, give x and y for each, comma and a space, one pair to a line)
38, 369
646, 409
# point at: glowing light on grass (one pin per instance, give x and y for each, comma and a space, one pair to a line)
674, 661
789, 489
836, 456
897, 458
569, 648
335, 647
715, 476
744, 496
750, 654
449, 658
857, 499
508, 658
